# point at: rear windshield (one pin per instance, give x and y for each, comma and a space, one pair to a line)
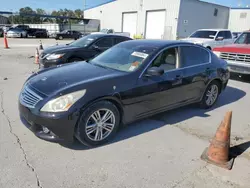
204, 34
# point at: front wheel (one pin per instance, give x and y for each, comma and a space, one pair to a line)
98, 124
211, 95
60, 38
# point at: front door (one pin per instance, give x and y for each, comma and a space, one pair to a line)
104, 44
157, 93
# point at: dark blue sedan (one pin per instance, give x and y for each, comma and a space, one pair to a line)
130, 81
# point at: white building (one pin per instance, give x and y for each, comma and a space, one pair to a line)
239, 19
160, 19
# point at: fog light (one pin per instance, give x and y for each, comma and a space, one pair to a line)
46, 130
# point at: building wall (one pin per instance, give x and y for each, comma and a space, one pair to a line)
239, 20
196, 15
110, 14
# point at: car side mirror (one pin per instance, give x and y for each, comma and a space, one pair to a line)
154, 71
96, 47
219, 38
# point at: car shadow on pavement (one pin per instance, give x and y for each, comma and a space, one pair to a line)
228, 96
238, 150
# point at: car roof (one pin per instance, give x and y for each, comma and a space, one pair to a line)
156, 43
104, 34
213, 30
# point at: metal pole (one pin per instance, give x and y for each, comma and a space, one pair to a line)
83, 15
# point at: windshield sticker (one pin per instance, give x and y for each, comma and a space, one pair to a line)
140, 54
132, 68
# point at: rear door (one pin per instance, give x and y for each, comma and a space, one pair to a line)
195, 62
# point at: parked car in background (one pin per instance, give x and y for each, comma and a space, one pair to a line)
66, 34
130, 81
211, 38
237, 55
6, 28
17, 33
111, 31
33, 32
236, 34
82, 49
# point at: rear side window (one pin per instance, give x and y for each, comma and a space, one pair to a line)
191, 56
228, 35
119, 40
105, 43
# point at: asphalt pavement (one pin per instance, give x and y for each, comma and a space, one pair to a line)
159, 152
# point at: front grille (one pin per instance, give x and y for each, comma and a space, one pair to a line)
235, 57
29, 98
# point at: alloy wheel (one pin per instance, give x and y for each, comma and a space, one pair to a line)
100, 124
212, 95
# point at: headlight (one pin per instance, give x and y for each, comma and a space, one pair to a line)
54, 56
63, 103
217, 53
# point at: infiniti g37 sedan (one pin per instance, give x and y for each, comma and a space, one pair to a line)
130, 81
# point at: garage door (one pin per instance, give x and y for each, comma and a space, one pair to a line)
129, 23
155, 24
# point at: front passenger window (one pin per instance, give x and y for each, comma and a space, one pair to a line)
105, 43
167, 60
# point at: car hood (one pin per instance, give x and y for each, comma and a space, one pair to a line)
60, 48
58, 79
197, 40
234, 48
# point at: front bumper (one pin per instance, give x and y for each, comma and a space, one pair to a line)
10, 35
238, 67
61, 129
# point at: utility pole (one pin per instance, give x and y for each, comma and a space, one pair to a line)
83, 15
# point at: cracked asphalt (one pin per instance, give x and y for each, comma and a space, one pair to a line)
161, 152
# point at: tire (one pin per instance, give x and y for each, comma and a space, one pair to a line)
208, 47
21, 36
60, 38
75, 60
205, 102
90, 139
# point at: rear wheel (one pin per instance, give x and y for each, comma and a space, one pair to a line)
211, 95
61, 38
98, 124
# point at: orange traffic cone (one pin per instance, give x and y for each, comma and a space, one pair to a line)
218, 151
5, 41
37, 56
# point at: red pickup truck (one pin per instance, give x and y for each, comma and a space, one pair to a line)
237, 54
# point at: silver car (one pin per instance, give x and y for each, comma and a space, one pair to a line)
16, 32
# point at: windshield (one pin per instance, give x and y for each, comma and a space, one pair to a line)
244, 38
84, 41
204, 34
123, 57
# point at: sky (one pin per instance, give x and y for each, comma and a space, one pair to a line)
50, 5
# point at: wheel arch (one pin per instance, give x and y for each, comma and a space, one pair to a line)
115, 99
